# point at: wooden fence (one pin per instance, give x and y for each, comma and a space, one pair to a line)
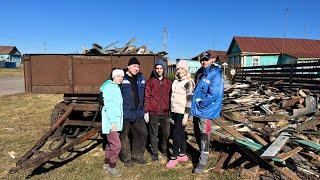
301, 74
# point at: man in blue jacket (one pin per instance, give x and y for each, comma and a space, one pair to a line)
132, 89
207, 103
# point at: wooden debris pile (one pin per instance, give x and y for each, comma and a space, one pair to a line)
128, 48
276, 130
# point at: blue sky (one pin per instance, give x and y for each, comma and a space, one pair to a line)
65, 26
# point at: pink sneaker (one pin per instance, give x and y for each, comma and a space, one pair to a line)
183, 158
172, 163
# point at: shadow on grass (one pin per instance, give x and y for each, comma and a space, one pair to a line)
57, 164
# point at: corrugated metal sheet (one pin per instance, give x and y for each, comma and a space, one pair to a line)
299, 48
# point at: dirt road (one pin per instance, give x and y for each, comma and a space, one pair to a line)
11, 85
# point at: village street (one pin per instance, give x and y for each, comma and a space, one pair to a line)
11, 85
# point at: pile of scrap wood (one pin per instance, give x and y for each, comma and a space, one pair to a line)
276, 132
128, 48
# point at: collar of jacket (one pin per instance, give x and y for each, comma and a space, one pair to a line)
138, 75
210, 68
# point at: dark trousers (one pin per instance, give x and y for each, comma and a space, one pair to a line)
133, 140
179, 136
156, 123
197, 131
112, 149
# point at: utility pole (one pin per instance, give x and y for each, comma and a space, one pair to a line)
45, 47
165, 37
285, 29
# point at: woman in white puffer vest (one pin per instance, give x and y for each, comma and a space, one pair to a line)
181, 97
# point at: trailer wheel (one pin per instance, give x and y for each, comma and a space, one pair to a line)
56, 114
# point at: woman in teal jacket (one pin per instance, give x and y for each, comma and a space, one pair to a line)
112, 119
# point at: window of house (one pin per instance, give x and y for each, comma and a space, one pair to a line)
255, 61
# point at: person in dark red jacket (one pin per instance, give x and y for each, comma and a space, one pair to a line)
157, 107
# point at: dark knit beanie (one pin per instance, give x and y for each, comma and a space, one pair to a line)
133, 60
160, 62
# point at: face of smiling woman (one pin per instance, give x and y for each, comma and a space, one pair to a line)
118, 79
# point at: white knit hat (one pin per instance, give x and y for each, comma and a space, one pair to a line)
182, 64
117, 72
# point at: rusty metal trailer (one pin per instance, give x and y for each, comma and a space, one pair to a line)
77, 117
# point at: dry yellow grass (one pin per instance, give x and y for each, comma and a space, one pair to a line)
13, 72
26, 117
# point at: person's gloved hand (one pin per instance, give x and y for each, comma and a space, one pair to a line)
113, 127
185, 119
146, 117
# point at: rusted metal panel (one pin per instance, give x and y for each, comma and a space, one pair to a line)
77, 73
49, 70
89, 72
50, 89
27, 74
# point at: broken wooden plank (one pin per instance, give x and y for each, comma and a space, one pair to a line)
291, 102
218, 168
230, 130
276, 146
253, 154
269, 118
308, 125
256, 137
309, 143
286, 155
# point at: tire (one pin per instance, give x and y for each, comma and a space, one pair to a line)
56, 114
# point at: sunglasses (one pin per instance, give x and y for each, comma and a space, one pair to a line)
204, 60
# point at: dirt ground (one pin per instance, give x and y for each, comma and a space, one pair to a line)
11, 85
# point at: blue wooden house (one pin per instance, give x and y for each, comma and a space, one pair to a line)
10, 57
258, 51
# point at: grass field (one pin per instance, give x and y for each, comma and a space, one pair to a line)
26, 117
13, 72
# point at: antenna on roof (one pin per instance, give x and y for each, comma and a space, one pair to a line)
285, 29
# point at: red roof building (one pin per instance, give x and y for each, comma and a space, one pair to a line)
256, 51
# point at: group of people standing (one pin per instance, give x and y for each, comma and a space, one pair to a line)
134, 108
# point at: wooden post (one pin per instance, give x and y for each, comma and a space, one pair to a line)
262, 75
291, 74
